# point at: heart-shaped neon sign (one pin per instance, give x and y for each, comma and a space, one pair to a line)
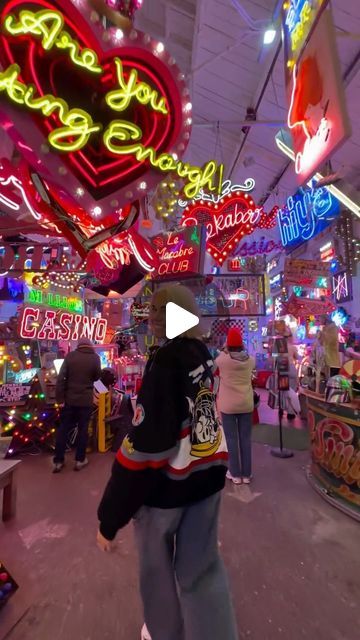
226, 222
118, 115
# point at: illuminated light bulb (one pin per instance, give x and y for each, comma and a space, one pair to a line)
269, 36
189, 121
97, 211
188, 107
160, 47
143, 186
79, 192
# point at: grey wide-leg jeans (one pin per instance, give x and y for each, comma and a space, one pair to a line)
183, 581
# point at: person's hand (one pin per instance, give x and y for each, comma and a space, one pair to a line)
103, 543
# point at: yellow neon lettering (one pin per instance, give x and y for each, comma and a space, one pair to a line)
120, 99
123, 131
166, 162
9, 83
300, 30
46, 104
78, 127
87, 58
78, 124
142, 153
49, 26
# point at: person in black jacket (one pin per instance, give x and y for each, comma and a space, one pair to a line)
168, 475
74, 390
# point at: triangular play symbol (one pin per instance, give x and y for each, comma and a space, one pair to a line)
178, 320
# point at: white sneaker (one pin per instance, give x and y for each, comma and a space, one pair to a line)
80, 465
233, 478
145, 635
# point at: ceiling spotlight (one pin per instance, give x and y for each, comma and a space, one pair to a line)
269, 35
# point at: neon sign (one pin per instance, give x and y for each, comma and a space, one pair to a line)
180, 252
306, 214
257, 247
299, 17
342, 287
317, 115
340, 316
327, 252
36, 324
37, 296
227, 189
227, 222
131, 81
276, 282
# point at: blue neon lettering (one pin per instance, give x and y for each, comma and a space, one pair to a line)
305, 215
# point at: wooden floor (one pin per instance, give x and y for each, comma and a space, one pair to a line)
293, 561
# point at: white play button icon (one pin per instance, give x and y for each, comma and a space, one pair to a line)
178, 320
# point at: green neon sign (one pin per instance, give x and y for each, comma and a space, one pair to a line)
54, 300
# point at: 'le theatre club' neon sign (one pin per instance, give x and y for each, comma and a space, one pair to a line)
306, 214
76, 128
36, 324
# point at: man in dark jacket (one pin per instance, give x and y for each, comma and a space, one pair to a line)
74, 390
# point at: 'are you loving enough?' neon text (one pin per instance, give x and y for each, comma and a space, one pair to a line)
120, 137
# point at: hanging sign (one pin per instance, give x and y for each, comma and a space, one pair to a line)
180, 252
260, 247
317, 115
342, 287
304, 307
327, 252
226, 223
55, 300
115, 107
37, 324
304, 272
305, 215
298, 17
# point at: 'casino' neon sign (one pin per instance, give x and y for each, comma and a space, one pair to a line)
141, 119
36, 324
306, 214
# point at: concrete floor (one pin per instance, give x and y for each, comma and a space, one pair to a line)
293, 560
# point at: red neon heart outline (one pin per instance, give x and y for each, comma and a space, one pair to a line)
120, 172
200, 212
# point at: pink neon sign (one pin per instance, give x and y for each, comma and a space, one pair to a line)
49, 325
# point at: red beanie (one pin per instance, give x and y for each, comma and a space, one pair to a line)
234, 338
